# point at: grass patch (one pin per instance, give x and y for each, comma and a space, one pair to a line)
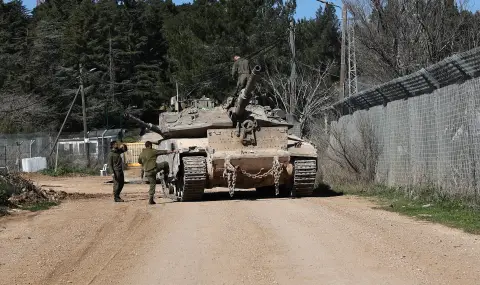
69, 171
40, 206
424, 203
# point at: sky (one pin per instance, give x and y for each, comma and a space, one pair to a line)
305, 8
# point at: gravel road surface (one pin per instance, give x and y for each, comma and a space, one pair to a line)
247, 240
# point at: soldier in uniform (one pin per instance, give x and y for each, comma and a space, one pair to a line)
142, 172
148, 160
242, 68
115, 163
229, 102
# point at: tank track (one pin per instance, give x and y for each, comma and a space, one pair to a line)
194, 178
305, 171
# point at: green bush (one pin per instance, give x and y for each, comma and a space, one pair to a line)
70, 170
6, 191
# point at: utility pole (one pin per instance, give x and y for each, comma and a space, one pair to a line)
352, 61
112, 79
84, 114
177, 104
343, 50
64, 121
293, 74
343, 47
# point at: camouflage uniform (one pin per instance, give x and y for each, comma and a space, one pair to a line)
142, 172
241, 66
148, 160
116, 165
230, 102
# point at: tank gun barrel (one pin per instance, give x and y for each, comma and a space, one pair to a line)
245, 96
148, 126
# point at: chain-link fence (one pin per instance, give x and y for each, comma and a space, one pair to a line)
16, 147
68, 152
431, 139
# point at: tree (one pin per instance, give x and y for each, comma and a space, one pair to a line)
313, 94
397, 37
138, 51
319, 39
21, 110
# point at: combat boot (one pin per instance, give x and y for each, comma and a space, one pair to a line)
150, 201
118, 199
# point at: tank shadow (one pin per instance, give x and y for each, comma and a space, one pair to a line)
158, 200
324, 190
239, 195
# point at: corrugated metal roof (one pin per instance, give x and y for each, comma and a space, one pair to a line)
92, 134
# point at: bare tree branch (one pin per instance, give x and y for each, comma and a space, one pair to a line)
397, 37
311, 96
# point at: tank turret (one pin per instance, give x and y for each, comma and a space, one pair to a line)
246, 94
148, 126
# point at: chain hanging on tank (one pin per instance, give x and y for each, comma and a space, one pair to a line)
277, 171
231, 173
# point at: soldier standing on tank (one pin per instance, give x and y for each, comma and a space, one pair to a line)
148, 160
242, 67
115, 163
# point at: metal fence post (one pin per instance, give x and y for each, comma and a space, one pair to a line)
19, 155
56, 159
31, 143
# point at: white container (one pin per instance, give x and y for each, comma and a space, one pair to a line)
34, 164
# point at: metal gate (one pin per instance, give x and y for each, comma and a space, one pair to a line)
134, 150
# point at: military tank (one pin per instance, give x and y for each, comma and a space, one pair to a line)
239, 145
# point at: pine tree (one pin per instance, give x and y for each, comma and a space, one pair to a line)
318, 39
17, 105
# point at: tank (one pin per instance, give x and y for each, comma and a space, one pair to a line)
239, 145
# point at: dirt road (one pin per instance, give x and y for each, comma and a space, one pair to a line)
248, 240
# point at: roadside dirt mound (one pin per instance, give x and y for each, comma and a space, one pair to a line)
16, 191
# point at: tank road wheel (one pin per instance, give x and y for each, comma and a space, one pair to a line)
304, 173
191, 183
